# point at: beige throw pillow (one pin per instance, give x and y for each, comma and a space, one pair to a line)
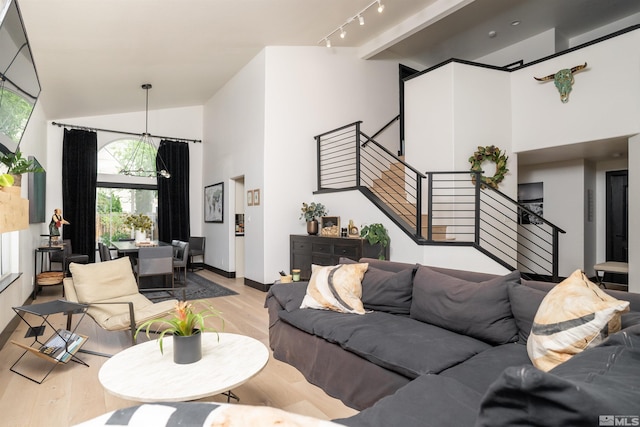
103, 280
336, 287
576, 314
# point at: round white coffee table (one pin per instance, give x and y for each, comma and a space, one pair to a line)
141, 373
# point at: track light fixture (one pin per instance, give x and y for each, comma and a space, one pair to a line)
359, 16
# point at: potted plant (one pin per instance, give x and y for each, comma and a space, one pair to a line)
311, 212
140, 223
17, 165
186, 326
376, 234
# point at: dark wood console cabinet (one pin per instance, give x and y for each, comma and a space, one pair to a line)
306, 250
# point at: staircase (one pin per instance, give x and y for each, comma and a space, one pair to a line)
390, 188
437, 208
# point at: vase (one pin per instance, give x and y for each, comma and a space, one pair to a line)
141, 236
187, 349
312, 227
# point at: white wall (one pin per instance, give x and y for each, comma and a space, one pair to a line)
32, 144
234, 146
564, 205
634, 218
185, 122
603, 103
261, 125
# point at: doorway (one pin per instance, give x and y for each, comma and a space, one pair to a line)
238, 218
617, 221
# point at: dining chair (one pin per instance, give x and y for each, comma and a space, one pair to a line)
181, 259
155, 261
66, 257
105, 253
196, 249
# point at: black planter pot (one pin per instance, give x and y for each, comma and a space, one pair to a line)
187, 349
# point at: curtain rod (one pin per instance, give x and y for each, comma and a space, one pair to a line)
123, 132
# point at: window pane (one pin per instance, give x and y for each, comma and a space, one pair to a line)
130, 154
114, 204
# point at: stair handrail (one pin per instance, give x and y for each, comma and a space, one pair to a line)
383, 128
377, 144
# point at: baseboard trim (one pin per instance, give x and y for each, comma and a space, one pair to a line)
232, 275
227, 274
257, 285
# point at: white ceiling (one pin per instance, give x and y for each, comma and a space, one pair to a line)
93, 55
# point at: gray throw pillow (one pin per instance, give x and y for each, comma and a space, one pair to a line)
388, 291
479, 310
524, 306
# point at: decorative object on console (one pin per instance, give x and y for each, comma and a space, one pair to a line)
493, 154
184, 323
563, 80
310, 213
376, 233
56, 222
336, 287
330, 226
575, 315
352, 230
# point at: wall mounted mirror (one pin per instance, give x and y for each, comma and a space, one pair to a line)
19, 85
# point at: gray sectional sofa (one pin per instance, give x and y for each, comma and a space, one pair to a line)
444, 347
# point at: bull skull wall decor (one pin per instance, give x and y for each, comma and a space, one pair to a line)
563, 80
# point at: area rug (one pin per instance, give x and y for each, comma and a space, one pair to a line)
197, 288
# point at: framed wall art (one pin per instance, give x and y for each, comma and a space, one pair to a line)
214, 203
250, 198
256, 197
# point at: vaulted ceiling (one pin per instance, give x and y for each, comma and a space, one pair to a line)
93, 55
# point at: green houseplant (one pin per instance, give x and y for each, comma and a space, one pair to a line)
310, 212
18, 165
185, 322
139, 222
376, 233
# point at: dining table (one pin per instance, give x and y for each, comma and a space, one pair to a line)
131, 248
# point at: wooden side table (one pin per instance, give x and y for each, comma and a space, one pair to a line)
46, 277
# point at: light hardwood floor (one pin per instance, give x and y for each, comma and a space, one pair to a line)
72, 392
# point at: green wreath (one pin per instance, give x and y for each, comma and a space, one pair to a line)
493, 154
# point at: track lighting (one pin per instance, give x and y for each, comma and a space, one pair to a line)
359, 16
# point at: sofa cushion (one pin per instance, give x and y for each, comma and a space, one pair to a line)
289, 295
484, 368
427, 401
384, 290
387, 291
115, 317
602, 381
576, 314
524, 302
480, 310
336, 287
103, 280
398, 343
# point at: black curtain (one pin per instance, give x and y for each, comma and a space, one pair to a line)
79, 177
173, 193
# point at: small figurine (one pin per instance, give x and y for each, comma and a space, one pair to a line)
56, 222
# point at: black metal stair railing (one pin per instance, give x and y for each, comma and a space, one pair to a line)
444, 208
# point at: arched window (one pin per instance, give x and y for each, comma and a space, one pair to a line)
120, 194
